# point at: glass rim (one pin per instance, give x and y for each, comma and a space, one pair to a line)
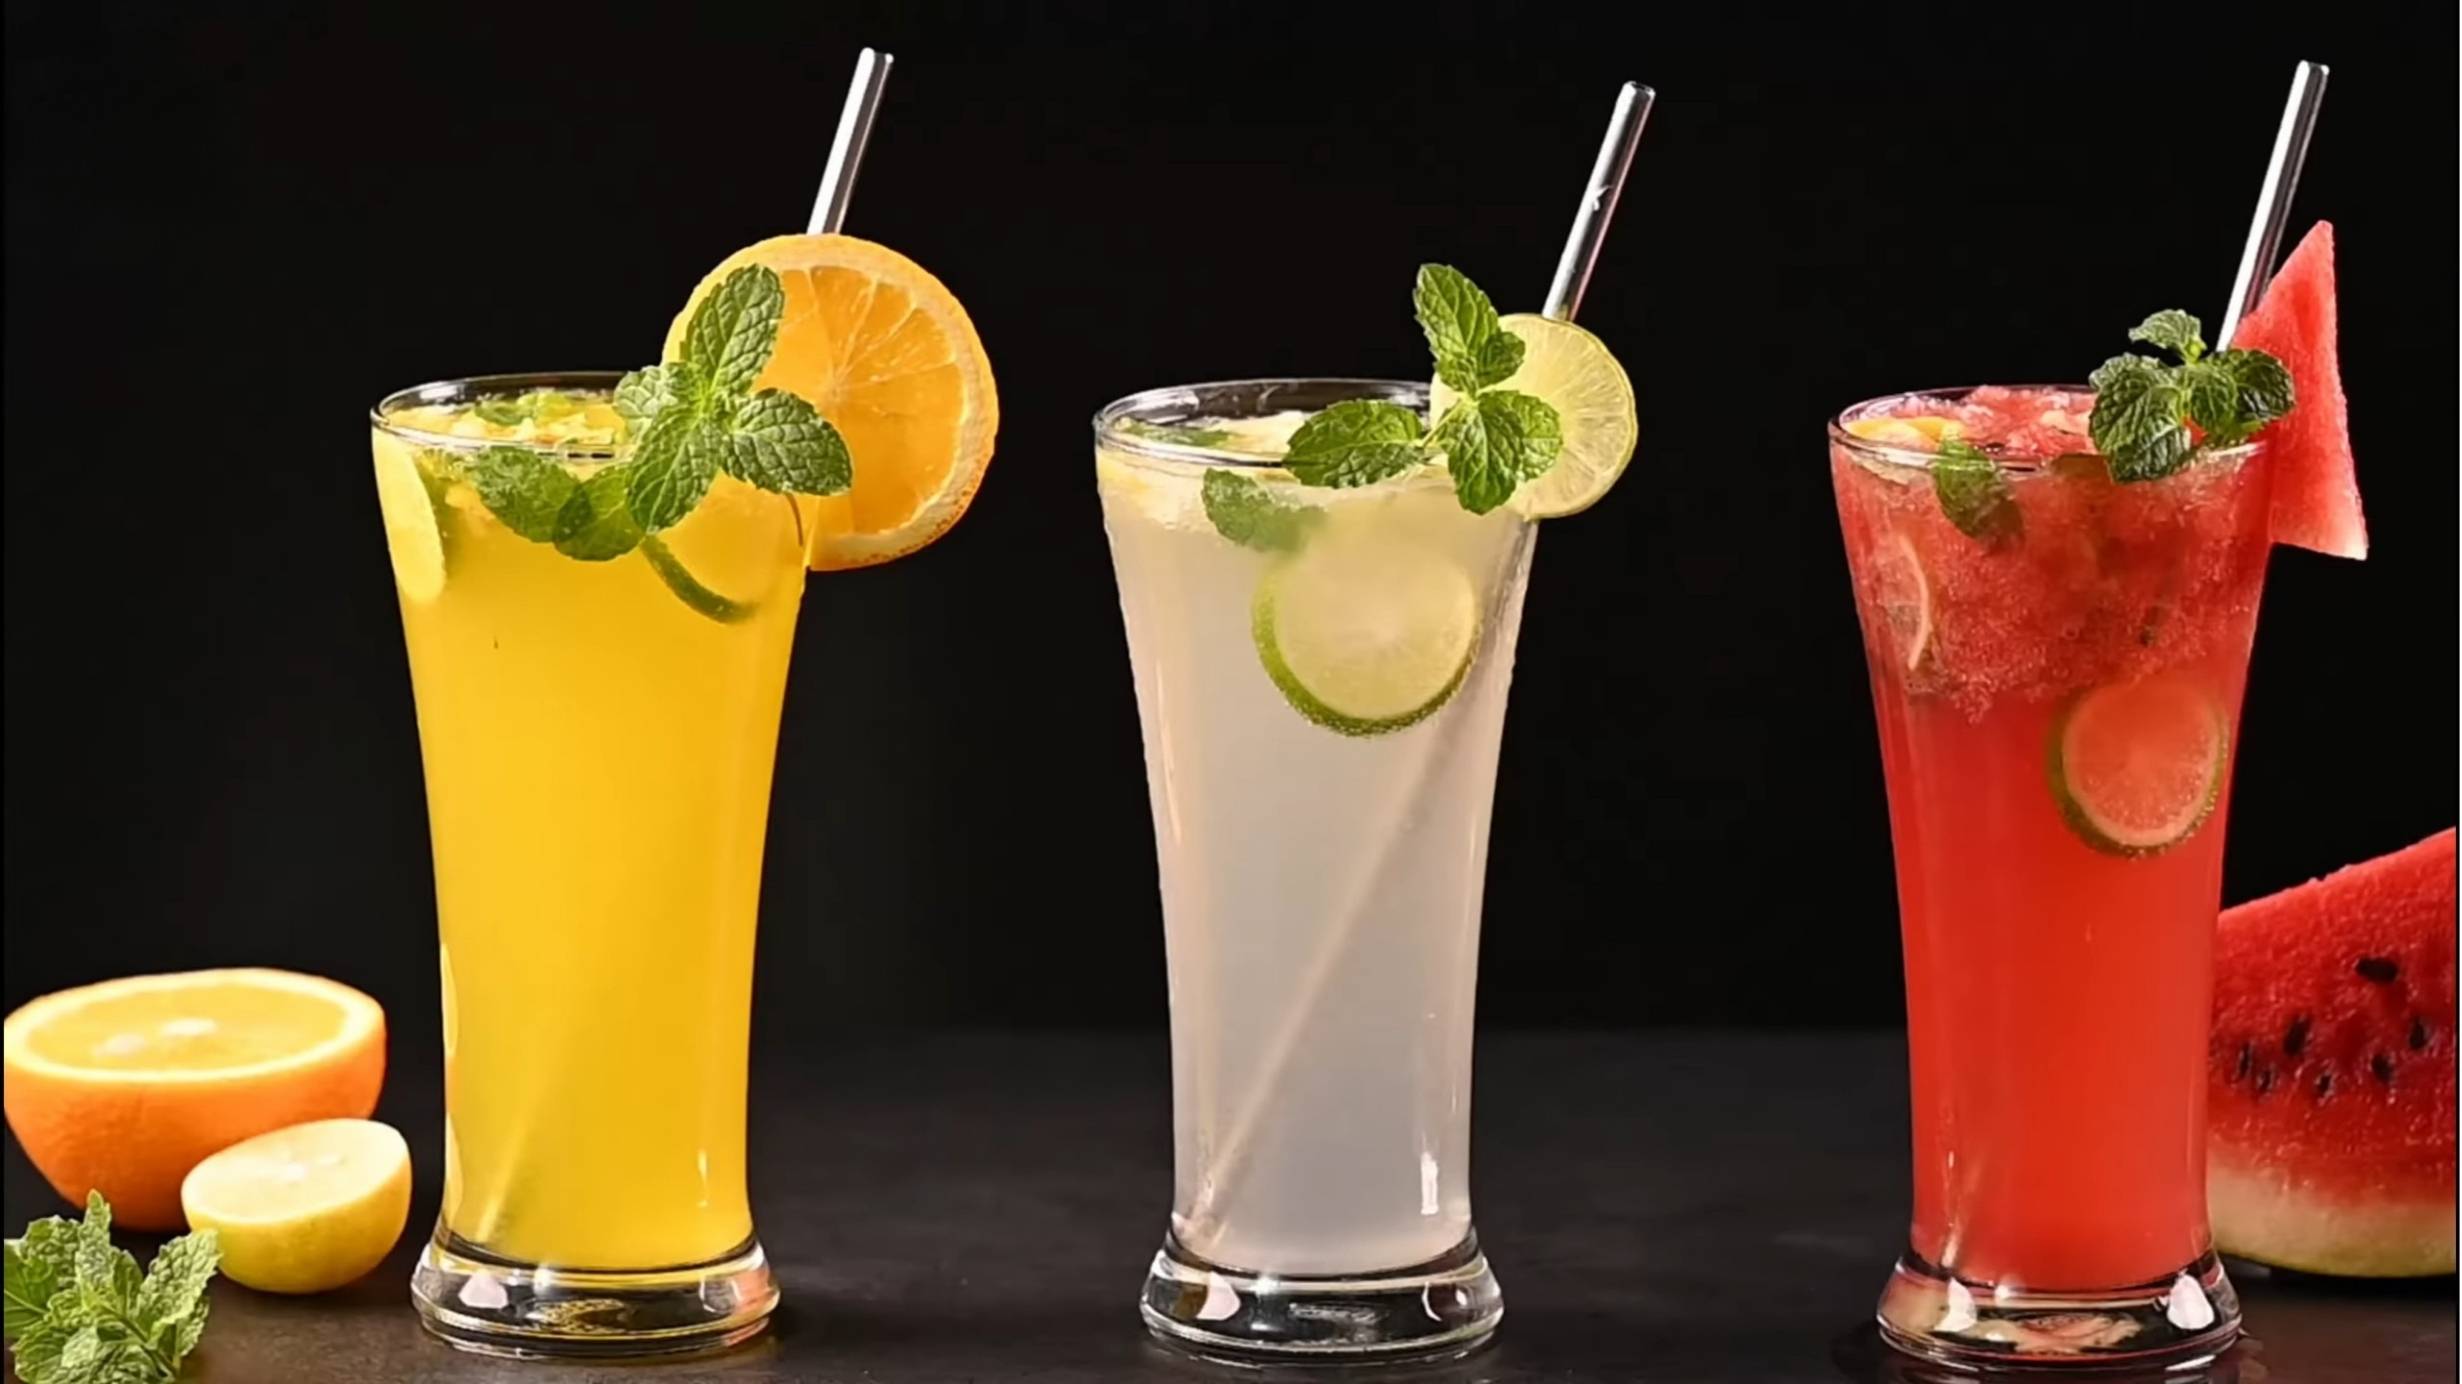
1112, 434
468, 387
1890, 454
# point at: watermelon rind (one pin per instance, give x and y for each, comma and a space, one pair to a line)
2331, 1143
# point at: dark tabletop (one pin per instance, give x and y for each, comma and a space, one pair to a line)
1696, 1206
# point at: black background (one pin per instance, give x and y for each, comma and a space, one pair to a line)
228, 233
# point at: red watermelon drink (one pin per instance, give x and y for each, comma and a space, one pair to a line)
2058, 588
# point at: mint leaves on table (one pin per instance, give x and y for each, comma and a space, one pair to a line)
1973, 494
1244, 512
1491, 439
2143, 408
80, 1312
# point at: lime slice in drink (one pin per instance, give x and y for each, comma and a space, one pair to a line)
2138, 766
1902, 597
411, 529
1366, 635
1574, 371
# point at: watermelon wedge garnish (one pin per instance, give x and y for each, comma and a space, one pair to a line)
2316, 485
2330, 1097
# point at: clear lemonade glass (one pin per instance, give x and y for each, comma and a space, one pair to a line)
1322, 583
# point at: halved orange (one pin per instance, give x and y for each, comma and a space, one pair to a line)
888, 355
124, 1086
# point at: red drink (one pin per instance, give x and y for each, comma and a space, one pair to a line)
2057, 703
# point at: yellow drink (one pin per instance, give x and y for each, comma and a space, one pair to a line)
598, 755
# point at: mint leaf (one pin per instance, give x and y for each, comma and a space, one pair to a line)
81, 1353
2262, 390
597, 524
672, 468
1178, 434
779, 442
1355, 442
1244, 512
37, 1354
38, 1266
1973, 493
2212, 399
640, 395
1495, 442
1526, 428
174, 1293
1472, 351
504, 413
548, 405
2139, 419
104, 1272
734, 330
2173, 330
526, 491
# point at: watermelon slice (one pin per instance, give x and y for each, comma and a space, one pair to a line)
2316, 486
2331, 1097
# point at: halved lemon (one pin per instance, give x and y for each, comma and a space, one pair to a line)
304, 1209
888, 355
124, 1086
1573, 370
414, 532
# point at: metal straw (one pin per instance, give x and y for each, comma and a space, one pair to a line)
2282, 178
1598, 201
863, 103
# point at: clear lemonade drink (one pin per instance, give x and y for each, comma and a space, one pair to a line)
1348, 1153
1322, 584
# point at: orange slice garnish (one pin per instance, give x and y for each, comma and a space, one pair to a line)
887, 354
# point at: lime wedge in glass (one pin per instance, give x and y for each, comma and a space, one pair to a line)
2137, 766
1366, 635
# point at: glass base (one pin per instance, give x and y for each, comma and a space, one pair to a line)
481, 1302
2179, 1322
1442, 1308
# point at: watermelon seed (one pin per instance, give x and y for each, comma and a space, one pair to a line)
2380, 969
2248, 1059
2325, 1084
2265, 1080
2383, 1066
2297, 1038
2419, 1033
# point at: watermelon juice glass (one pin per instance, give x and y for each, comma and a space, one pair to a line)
2057, 701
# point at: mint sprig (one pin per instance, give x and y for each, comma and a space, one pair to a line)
2143, 408
1973, 494
1245, 513
689, 420
1492, 439
80, 1311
